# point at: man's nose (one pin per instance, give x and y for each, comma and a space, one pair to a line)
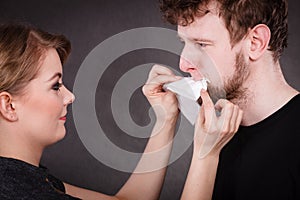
185, 65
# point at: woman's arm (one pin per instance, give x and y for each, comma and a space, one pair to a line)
202, 173
201, 178
140, 185
165, 107
86, 194
147, 179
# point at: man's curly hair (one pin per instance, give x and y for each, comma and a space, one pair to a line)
239, 16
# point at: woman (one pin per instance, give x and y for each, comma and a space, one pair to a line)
33, 108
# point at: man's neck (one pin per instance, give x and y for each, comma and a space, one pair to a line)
267, 92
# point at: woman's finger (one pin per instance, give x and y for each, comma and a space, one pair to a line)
227, 109
209, 110
158, 70
162, 79
234, 117
239, 120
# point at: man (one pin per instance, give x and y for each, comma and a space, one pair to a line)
244, 40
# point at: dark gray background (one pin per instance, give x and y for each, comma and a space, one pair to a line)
88, 23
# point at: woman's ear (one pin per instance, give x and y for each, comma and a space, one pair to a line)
259, 37
7, 108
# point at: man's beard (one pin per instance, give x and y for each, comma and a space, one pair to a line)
233, 89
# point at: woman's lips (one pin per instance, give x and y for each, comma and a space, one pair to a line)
63, 118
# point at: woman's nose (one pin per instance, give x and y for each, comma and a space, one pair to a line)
69, 97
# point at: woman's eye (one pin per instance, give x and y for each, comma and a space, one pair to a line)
56, 86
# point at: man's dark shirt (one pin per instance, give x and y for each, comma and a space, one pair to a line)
262, 161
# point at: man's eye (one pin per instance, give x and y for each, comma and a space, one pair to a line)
202, 45
56, 86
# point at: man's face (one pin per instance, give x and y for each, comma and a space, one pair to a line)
207, 53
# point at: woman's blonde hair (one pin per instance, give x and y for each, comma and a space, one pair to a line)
21, 50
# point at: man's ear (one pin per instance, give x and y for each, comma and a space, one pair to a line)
7, 108
259, 37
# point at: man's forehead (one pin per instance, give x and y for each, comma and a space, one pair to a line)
199, 26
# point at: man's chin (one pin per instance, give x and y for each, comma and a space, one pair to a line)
216, 93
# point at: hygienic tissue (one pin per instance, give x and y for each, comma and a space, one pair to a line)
188, 92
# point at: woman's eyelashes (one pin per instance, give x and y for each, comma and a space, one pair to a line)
57, 86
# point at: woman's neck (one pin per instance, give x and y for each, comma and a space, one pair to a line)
12, 145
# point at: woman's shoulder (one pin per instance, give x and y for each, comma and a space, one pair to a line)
21, 180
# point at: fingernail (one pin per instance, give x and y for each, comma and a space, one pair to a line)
178, 77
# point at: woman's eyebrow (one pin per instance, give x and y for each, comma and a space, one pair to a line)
57, 74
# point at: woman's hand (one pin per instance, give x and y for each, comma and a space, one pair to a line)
148, 177
213, 132
164, 103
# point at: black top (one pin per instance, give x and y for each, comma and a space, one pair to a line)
21, 180
263, 161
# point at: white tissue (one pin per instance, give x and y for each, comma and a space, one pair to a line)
188, 92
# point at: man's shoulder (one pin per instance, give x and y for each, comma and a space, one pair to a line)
291, 109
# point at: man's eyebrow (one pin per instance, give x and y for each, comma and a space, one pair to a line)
202, 40
57, 74
195, 39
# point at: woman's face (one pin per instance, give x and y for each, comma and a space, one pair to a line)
42, 110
